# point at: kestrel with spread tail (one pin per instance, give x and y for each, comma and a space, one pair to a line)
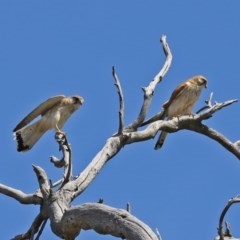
54, 113
181, 102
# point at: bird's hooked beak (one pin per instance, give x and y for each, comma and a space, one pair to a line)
205, 82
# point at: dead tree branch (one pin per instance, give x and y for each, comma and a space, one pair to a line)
223, 234
105, 220
208, 103
66, 160
37, 223
121, 101
192, 123
150, 89
42, 180
20, 196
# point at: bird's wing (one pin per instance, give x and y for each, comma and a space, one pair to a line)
39, 110
175, 94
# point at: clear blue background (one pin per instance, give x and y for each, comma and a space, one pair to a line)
68, 47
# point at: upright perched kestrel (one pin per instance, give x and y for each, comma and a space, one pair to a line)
180, 103
54, 113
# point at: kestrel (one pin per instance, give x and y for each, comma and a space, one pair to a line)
54, 113
181, 103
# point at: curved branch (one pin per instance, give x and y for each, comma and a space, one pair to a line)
66, 160
150, 89
222, 234
104, 220
217, 136
121, 101
21, 196
42, 181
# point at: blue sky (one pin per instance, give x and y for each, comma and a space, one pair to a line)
68, 47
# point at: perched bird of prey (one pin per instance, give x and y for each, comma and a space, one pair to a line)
54, 113
180, 103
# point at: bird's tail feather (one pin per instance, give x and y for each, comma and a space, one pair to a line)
28, 136
160, 140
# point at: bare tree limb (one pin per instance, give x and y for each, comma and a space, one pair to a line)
41, 229
65, 161
192, 123
20, 196
214, 108
121, 101
150, 89
227, 233
38, 221
42, 181
105, 220
110, 149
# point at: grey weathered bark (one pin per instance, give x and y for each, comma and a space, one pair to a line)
67, 222
226, 234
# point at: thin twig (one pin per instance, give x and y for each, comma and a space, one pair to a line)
216, 107
128, 207
208, 104
121, 101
